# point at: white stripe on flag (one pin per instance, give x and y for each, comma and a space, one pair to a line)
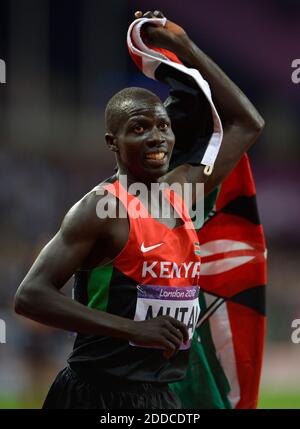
223, 265
222, 338
212, 309
221, 246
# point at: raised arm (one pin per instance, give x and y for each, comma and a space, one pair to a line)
241, 121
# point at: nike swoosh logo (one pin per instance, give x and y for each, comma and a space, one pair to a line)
147, 249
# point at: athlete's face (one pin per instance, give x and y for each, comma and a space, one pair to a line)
145, 140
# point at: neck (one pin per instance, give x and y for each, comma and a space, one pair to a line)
131, 179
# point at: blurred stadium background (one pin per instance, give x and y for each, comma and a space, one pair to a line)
65, 59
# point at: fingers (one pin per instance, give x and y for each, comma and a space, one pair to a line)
149, 14
164, 332
175, 332
176, 342
181, 327
170, 349
173, 347
158, 14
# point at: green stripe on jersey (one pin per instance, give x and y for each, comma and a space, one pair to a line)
98, 287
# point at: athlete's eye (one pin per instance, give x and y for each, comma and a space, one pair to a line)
138, 129
164, 126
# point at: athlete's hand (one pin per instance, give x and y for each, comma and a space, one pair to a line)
162, 332
171, 36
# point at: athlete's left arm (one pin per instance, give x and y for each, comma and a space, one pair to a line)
242, 124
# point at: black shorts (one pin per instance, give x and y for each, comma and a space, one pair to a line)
72, 391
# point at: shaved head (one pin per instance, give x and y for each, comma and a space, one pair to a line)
123, 102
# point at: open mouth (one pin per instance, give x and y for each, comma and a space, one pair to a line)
158, 156
156, 159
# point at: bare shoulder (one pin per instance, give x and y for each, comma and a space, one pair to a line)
94, 215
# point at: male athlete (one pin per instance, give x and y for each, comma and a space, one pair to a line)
130, 272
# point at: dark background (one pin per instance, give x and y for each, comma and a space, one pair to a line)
64, 60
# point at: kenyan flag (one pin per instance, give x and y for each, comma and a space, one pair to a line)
226, 354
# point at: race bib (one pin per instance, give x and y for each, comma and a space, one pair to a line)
179, 302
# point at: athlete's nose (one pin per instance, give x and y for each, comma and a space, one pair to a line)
156, 138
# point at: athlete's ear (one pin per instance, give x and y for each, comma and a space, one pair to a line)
112, 142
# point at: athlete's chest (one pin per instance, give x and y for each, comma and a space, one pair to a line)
157, 254
117, 236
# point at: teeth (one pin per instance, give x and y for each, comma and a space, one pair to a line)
155, 155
